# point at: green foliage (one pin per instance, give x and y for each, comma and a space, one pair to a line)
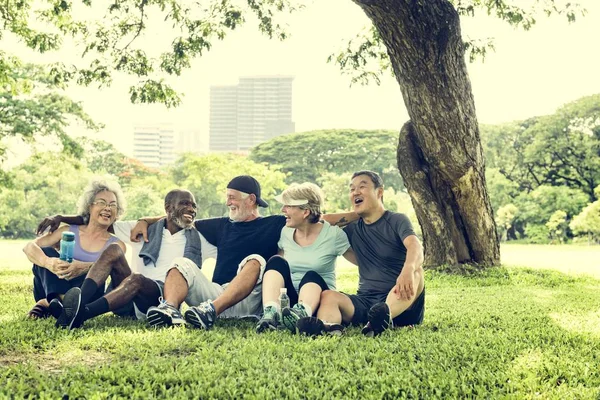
559, 149
47, 184
505, 218
308, 156
108, 33
33, 105
365, 58
207, 177
103, 158
588, 221
557, 226
498, 333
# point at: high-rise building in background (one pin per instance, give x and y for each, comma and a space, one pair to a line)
191, 141
154, 145
245, 115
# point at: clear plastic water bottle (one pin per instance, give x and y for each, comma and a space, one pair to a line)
67, 245
284, 300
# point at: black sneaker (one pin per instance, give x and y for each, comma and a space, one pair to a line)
71, 316
310, 326
202, 316
55, 307
164, 315
269, 321
291, 316
380, 319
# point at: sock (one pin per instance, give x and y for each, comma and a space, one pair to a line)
306, 307
96, 308
271, 304
88, 289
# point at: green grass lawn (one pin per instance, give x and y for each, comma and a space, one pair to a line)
506, 333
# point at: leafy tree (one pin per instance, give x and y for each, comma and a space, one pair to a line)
536, 209
46, 184
207, 177
557, 226
558, 149
102, 157
505, 217
439, 154
146, 196
307, 156
335, 188
32, 104
588, 222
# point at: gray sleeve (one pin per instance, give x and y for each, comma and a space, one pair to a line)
402, 226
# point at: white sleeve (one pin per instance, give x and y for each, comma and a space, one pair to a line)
123, 230
207, 249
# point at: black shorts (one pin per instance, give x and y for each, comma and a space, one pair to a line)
363, 303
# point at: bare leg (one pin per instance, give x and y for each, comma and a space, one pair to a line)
310, 295
239, 288
272, 282
397, 306
112, 262
335, 307
135, 285
176, 288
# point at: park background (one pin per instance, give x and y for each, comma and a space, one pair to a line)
528, 329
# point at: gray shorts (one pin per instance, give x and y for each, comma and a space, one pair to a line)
202, 289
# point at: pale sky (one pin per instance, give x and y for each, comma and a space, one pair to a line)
530, 73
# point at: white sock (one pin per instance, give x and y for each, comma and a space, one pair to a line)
272, 304
307, 308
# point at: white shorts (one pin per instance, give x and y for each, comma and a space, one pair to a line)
201, 289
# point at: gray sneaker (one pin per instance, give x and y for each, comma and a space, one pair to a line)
291, 316
269, 321
164, 315
202, 316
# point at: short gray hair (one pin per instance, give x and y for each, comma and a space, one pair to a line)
96, 186
306, 191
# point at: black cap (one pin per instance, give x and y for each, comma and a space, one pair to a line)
247, 184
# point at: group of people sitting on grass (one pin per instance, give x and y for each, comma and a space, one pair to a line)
255, 258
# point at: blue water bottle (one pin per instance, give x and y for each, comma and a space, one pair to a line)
67, 245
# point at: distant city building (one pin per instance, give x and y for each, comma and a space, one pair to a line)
191, 141
154, 145
245, 115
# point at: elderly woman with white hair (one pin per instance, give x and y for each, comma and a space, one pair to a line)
305, 264
100, 205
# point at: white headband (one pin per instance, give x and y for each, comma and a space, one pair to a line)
279, 199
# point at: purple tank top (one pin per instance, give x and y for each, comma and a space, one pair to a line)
83, 255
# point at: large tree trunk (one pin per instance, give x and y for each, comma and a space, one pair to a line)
440, 156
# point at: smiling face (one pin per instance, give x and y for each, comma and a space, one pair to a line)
294, 216
240, 205
104, 208
365, 198
182, 211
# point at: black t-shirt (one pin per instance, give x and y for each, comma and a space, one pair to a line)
379, 251
237, 240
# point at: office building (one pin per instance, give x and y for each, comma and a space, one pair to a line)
245, 115
154, 145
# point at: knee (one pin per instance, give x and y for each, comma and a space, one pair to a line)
277, 263
113, 252
133, 282
50, 252
328, 296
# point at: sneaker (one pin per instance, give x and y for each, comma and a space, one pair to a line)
291, 316
55, 307
269, 321
202, 316
310, 326
380, 319
334, 329
164, 315
71, 316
